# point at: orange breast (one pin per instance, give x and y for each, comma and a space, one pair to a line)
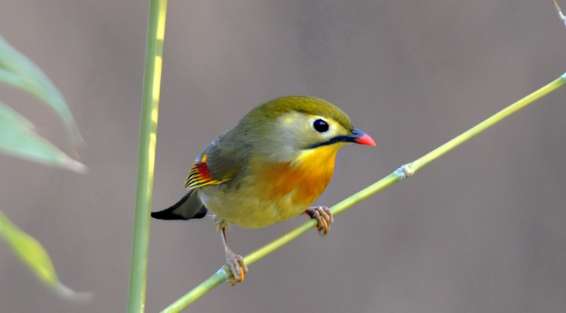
304, 179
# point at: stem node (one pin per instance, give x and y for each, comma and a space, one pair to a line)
405, 171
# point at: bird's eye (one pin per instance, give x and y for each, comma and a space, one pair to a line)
320, 125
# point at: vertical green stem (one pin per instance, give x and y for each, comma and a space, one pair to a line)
146, 153
396, 176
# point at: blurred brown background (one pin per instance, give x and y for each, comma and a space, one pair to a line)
481, 230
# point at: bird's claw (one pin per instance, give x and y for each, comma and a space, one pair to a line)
324, 218
237, 267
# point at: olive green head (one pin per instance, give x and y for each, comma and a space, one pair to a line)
302, 104
286, 126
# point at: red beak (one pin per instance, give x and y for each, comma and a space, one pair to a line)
362, 138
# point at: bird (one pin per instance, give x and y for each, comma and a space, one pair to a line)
272, 166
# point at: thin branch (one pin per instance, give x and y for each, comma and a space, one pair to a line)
146, 153
401, 173
560, 13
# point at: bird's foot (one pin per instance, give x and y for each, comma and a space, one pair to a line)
238, 269
324, 218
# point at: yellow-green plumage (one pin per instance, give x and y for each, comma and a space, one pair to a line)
304, 104
272, 166
257, 173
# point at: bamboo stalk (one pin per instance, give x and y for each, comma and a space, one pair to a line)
146, 153
396, 176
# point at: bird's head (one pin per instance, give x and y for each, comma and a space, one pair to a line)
288, 127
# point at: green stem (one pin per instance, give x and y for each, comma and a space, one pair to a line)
401, 173
146, 153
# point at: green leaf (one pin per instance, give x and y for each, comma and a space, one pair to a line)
18, 138
18, 71
32, 254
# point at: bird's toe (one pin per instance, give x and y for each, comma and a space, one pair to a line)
323, 216
237, 267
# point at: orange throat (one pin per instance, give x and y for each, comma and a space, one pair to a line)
303, 180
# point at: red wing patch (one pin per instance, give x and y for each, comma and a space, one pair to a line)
200, 176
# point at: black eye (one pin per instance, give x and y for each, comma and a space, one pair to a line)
320, 125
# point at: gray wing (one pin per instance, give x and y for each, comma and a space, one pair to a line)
222, 161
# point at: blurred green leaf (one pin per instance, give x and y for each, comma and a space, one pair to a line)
32, 253
18, 71
28, 250
18, 138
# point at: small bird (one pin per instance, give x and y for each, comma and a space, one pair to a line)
269, 168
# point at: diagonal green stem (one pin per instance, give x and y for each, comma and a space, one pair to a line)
146, 153
401, 173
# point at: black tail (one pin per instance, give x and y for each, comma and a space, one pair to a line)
189, 207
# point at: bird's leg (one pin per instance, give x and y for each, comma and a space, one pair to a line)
234, 262
324, 218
